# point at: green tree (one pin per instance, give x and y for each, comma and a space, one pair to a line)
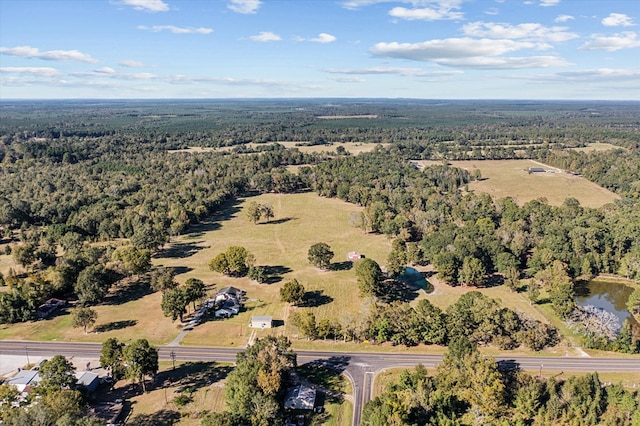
369, 276
9, 398
259, 373
174, 303
220, 264
320, 255
473, 272
305, 321
56, 374
433, 322
560, 288
448, 266
253, 212
92, 285
162, 279
235, 262
397, 259
258, 273
141, 360
194, 290
84, 317
66, 405
111, 357
533, 291
266, 211
512, 278
633, 303
134, 260
24, 254
292, 292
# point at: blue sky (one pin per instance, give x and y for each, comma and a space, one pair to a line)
431, 49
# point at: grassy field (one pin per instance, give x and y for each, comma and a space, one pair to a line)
126, 320
354, 148
282, 244
510, 178
596, 146
301, 220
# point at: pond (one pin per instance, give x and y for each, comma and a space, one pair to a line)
609, 296
414, 277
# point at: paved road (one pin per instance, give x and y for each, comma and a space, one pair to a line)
360, 368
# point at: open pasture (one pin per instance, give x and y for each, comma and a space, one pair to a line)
353, 148
300, 221
511, 178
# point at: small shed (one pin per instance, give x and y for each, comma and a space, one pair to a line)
536, 170
300, 398
261, 322
354, 256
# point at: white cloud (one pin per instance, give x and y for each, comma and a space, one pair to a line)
110, 73
265, 36
617, 20
527, 31
132, 64
564, 18
467, 52
244, 6
38, 71
176, 30
50, 55
147, 5
403, 71
105, 70
324, 38
625, 40
448, 48
547, 3
600, 74
504, 63
436, 4
424, 14
349, 80
492, 11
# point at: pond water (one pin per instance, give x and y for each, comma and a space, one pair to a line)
414, 277
612, 297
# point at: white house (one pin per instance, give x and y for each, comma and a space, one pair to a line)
261, 322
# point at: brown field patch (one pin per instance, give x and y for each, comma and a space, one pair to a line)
354, 148
511, 178
597, 146
301, 220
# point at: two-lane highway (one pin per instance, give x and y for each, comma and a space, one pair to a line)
359, 367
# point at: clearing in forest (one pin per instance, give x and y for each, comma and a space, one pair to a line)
282, 245
512, 178
353, 148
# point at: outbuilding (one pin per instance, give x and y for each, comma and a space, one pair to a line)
261, 322
354, 256
300, 398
